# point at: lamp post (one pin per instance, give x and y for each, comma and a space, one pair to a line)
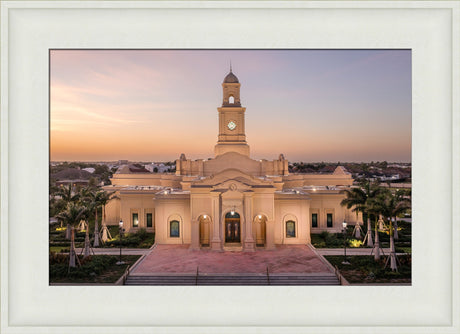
121, 230
344, 230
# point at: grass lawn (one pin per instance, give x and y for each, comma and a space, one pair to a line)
94, 269
59, 249
363, 269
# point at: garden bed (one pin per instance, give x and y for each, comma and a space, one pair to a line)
364, 269
94, 269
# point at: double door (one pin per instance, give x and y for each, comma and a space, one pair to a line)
232, 230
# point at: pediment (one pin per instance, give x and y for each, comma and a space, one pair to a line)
231, 160
233, 179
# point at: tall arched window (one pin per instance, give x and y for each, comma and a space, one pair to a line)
290, 229
231, 99
174, 230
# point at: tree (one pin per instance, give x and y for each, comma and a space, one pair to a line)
391, 205
72, 215
377, 208
94, 199
68, 195
359, 199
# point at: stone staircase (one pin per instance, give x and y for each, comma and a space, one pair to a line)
233, 279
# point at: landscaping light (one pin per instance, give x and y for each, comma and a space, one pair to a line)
121, 230
344, 230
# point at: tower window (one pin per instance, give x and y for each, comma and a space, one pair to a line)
231, 100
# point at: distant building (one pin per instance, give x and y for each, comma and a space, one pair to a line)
90, 170
160, 168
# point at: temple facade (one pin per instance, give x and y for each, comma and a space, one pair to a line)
230, 201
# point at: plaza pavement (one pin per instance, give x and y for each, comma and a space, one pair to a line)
178, 259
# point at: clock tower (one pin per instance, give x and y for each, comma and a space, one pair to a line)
232, 137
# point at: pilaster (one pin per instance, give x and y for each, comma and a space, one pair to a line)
195, 235
249, 243
216, 240
270, 235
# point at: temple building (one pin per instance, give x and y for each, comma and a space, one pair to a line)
230, 201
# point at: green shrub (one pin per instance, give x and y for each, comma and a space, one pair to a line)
324, 234
142, 234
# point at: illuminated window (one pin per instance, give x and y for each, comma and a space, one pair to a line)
290, 229
329, 220
314, 220
174, 229
149, 219
231, 100
135, 220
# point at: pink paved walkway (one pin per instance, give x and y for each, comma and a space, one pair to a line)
179, 259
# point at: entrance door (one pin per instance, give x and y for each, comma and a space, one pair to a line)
232, 227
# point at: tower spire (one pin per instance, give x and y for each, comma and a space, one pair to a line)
230, 66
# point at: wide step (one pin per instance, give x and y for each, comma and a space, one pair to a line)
233, 279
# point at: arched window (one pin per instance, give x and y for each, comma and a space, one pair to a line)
290, 229
174, 230
231, 99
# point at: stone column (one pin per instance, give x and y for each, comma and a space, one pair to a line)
248, 244
195, 235
270, 235
216, 241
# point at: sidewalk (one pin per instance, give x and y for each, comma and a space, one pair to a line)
350, 251
116, 251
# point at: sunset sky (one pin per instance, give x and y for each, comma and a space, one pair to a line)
153, 105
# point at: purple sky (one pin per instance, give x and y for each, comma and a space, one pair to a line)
153, 105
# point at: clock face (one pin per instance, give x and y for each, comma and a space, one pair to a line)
231, 125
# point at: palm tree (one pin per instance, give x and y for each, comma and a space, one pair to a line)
68, 195
377, 208
72, 215
105, 198
359, 199
402, 195
95, 199
391, 206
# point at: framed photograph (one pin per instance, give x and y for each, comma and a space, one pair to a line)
29, 30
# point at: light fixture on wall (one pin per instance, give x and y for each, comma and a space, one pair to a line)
204, 216
259, 216
233, 211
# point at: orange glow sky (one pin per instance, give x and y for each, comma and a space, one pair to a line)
153, 105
